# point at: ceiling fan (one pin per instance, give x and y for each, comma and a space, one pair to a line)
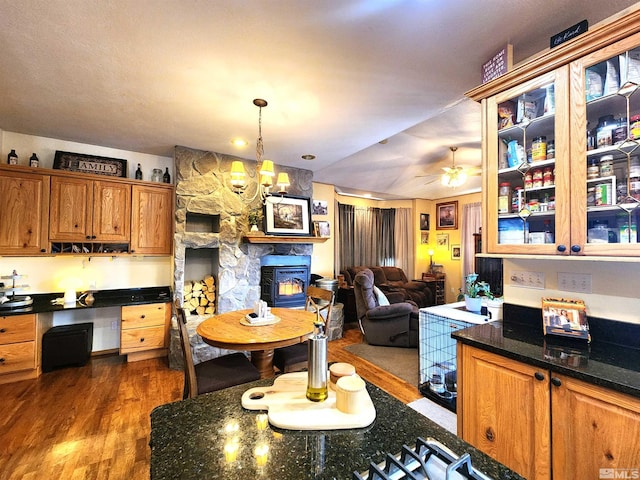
455, 175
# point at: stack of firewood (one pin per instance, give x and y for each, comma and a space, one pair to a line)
200, 296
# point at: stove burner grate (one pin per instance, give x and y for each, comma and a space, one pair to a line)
429, 460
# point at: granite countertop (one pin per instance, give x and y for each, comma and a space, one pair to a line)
188, 439
103, 298
612, 365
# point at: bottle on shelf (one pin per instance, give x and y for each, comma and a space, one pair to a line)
139, 173
34, 161
12, 158
166, 178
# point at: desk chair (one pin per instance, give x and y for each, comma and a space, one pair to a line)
215, 374
295, 357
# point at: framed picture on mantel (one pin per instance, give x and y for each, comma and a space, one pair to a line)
287, 215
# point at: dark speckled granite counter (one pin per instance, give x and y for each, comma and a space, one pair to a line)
188, 439
103, 298
612, 360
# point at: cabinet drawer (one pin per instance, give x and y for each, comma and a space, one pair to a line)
18, 328
136, 316
17, 356
138, 339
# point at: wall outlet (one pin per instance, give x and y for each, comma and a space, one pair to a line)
114, 325
527, 279
574, 282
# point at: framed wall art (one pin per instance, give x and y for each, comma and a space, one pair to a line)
80, 162
442, 241
320, 207
287, 215
456, 252
424, 221
447, 216
424, 238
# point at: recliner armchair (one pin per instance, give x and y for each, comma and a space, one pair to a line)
393, 325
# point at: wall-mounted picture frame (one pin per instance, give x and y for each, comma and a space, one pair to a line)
424, 221
80, 162
287, 215
320, 207
442, 241
424, 238
567, 318
321, 229
456, 252
447, 216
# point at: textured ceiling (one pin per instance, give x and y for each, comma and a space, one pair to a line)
339, 76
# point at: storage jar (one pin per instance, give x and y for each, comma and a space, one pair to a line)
539, 149
606, 165
504, 197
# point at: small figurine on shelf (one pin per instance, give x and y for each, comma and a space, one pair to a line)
166, 178
34, 161
12, 158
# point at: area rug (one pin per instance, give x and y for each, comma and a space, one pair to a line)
401, 362
404, 364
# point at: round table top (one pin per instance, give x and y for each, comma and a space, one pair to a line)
226, 331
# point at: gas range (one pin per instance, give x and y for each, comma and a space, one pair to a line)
428, 460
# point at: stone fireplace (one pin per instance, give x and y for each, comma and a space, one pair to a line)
209, 215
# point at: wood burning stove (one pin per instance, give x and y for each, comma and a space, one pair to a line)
284, 280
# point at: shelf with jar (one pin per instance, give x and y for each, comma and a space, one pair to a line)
594, 112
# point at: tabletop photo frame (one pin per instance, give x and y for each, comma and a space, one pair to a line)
566, 318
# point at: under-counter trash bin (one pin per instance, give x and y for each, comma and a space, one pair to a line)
67, 345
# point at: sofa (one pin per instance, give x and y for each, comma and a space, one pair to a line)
384, 320
393, 279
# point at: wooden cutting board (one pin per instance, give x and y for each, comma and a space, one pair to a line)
288, 406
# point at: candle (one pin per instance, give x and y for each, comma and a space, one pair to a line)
262, 419
261, 452
231, 450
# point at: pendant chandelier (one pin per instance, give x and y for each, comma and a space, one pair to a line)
264, 168
454, 176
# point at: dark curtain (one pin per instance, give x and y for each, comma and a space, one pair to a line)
366, 236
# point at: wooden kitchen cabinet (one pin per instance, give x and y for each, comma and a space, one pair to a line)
550, 100
542, 424
145, 331
84, 210
152, 220
18, 348
24, 212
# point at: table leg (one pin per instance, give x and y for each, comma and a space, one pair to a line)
263, 361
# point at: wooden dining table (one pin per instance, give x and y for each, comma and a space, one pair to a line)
229, 330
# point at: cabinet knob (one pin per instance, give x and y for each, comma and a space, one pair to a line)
142, 340
539, 376
43, 250
88, 237
489, 434
142, 316
561, 248
556, 381
575, 248
2, 330
93, 237
1, 360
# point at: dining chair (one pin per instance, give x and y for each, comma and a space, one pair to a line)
295, 357
214, 374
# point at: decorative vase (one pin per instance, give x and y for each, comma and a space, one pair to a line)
254, 228
473, 304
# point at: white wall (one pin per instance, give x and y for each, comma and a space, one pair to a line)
615, 285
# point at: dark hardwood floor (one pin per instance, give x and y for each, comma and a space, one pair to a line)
92, 422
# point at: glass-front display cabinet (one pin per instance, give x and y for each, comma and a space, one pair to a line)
528, 131
561, 148
606, 150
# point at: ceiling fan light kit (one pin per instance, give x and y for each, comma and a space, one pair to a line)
455, 176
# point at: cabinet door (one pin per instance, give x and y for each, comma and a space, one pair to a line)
24, 213
503, 410
70, 211
605, 187
593, 429
111, 211
522, 124
152, 220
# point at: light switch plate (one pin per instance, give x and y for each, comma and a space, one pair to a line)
574, 282
527, 279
